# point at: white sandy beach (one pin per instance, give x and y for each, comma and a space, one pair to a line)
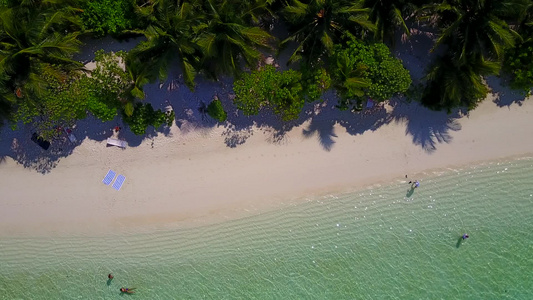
192, 174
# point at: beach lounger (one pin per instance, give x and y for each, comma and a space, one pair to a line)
118, 182
70, 135
118, 143
109, 177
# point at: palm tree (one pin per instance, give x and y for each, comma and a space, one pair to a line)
30, 45
319, 24
476, 35
169, 35
226, 38
350, 81
138, 73
451, 84
388, 16
7, 100
476, 27
526, 22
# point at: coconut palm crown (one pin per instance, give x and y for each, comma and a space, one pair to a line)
30, 43
226, 38
317, 25
476, 27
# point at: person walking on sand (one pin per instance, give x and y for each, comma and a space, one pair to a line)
127, 290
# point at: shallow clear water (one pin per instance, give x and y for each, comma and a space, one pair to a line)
379, 243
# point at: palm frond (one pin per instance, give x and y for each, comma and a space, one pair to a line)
257, 36
207, 44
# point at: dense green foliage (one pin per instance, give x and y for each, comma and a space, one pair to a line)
41, 83
30, 45
367, 70
472, 28
70, 97
315, 81
169, 35
225, 37
268, 88
476, 36
107, 84
122, 85
216, 111
144, 115
451, 85
108, 16
212, 36
317, 25
121, 89
388, 17
519, 63
62, 103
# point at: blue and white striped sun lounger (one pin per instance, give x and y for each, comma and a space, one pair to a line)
109, 177
118, 183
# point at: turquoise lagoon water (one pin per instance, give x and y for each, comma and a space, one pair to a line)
379, 243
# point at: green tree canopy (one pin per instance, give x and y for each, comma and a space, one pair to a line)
35, 40
226, 38
145, 115
388, 16
108, 16
268, 88
476, 27
476, 35
317, 25
216, 111
519, 63
364, 70
169, 36
451, 85
70, 97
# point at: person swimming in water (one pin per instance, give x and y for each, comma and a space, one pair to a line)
465, 236
127, 290
110, 276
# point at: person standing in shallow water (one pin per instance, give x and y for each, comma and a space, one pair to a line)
110, 276
414, 184
465, 236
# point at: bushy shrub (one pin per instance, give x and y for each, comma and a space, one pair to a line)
144, 115
108, 82
108, 16
63, 102
367, 70
279, 91
519, 63
216, 111
100, 108
315, 81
